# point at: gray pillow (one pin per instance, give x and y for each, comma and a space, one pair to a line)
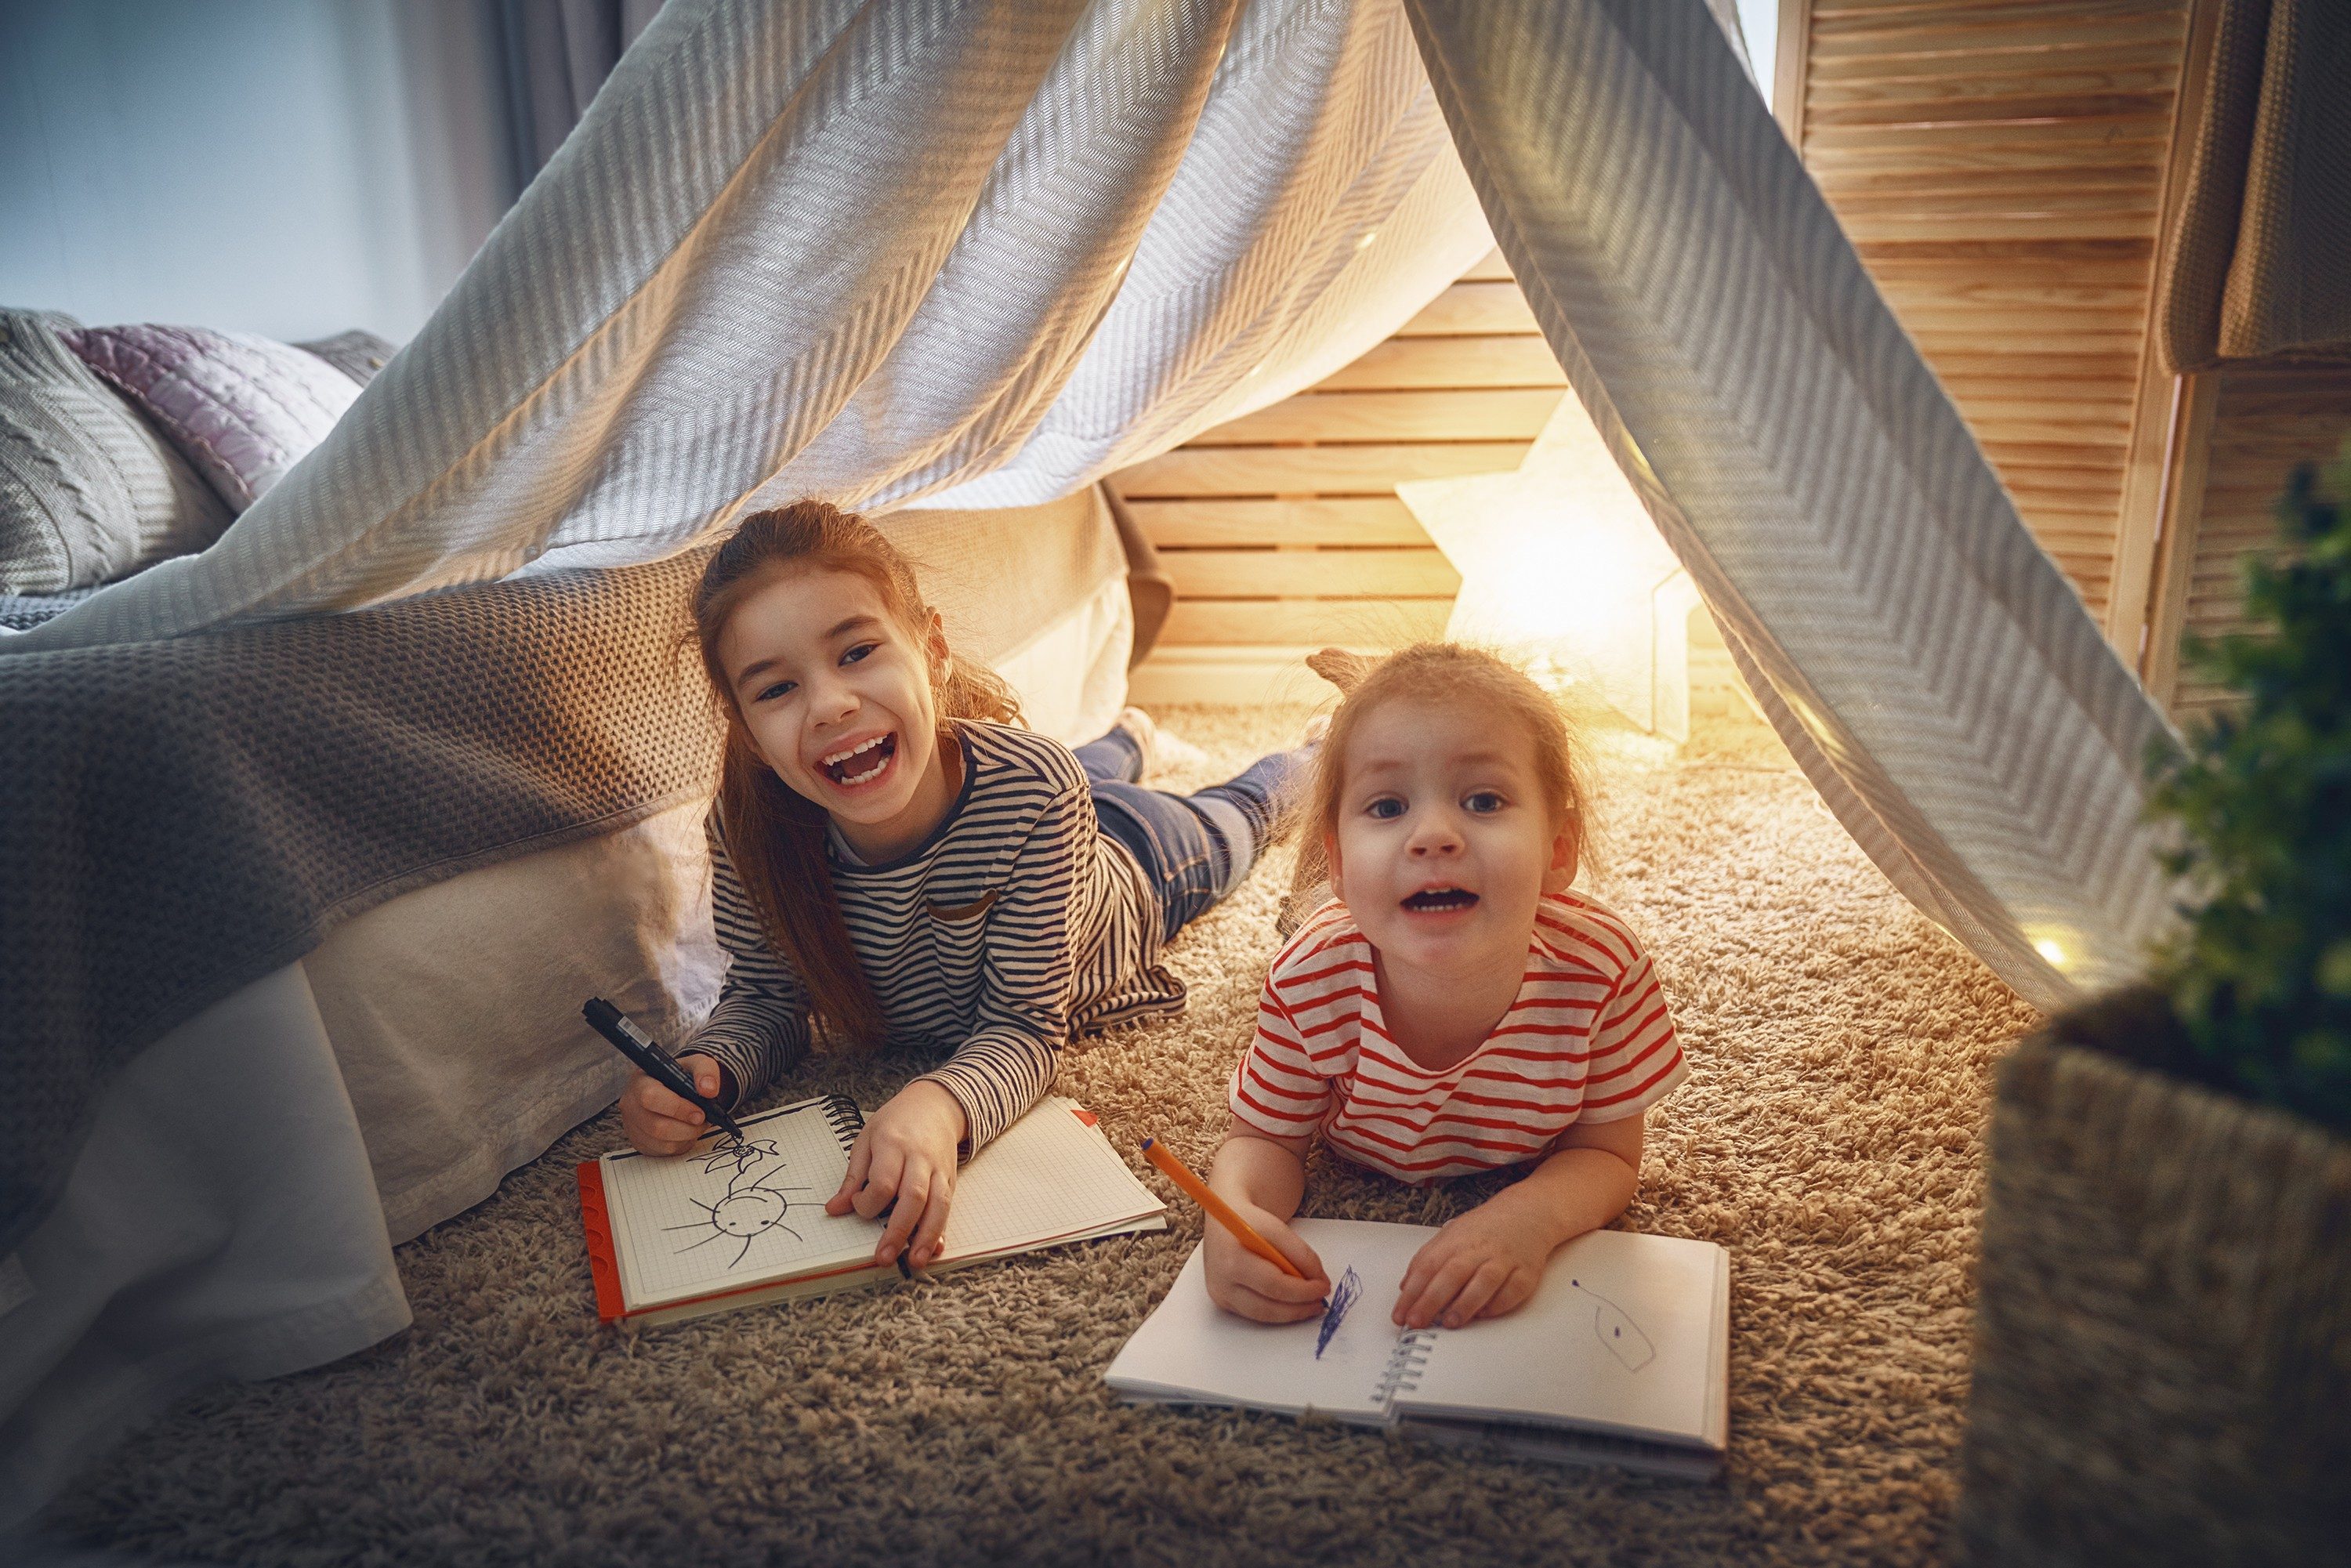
87, 492
358, 354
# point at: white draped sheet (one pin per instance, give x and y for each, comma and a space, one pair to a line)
978, 253
1923, 658
872, 252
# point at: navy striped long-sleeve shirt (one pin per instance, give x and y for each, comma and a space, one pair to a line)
1015, 925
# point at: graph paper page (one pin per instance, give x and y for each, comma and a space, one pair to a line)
1051, 1175
720, 1217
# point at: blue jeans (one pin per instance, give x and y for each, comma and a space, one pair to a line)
1194, 849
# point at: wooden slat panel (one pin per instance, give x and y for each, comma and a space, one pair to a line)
1370, 470
2020, 80
2000, 165
1990, 189
1402, 363
1958, 27
1488, 268
1421, 573
1358, 624
1347, 520
1239, 511
1446, 415
2116, 107
1469, 308
1985, 145
2266, 419
1888, 64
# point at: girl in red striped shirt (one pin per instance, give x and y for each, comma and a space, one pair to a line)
1455, 1008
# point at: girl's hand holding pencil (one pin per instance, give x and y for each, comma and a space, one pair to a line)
1244, 1284
1257, 1267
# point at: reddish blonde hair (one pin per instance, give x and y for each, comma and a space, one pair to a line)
1456, 675
774, 835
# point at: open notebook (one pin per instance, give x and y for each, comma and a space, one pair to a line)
727, 1225
1623, 1354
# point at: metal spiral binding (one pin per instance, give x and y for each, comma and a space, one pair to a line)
847, 1119
1401, 1374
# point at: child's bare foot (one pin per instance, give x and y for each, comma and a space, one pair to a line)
1342, 667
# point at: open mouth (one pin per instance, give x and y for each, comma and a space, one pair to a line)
860, 764
1440, 900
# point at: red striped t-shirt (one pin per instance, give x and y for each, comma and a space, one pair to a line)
1589, 1038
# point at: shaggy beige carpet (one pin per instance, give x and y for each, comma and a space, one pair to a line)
1830, 1137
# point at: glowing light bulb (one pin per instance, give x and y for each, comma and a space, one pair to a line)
2051, 950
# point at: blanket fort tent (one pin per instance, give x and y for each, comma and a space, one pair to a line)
979, 254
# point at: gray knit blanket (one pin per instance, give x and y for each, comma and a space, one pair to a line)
178, 818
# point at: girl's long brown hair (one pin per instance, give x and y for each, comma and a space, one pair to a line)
774, 835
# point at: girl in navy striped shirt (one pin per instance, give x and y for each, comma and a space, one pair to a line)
893, 857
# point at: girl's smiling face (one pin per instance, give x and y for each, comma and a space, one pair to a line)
1445, 840
838, 698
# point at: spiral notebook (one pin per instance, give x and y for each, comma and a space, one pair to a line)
727, 1225
1621, 1356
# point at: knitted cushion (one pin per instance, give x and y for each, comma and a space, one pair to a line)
87, 492
242, 409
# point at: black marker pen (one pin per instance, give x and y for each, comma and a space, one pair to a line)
652, 1060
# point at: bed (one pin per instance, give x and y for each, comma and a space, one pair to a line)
233, 1210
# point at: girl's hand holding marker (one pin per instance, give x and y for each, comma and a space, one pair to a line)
661, 1123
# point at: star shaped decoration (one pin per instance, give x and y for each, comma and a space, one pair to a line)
1563, 573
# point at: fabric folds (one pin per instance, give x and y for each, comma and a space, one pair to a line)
1926, 662
2253, 254
978, 253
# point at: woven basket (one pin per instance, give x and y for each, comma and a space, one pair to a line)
2163, 1327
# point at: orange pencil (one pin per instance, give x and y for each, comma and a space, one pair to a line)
1218, 1209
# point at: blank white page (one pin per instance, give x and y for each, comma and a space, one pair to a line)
1192, 1351
1051, 1175
1619, 1337
720, 1218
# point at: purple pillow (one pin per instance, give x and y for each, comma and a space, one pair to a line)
241, 409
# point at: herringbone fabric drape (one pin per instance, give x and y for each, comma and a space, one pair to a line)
1924, 660
982, 252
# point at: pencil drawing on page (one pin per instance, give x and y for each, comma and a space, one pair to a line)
1343, 1296
1615, 1329
754, 1203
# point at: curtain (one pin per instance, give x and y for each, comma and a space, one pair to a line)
557, 53
2257, 256
1927, 665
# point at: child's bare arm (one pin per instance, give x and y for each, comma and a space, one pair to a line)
1263, 1177
1488, 1262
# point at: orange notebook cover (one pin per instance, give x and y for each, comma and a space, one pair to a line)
1050, 1178
598, 1222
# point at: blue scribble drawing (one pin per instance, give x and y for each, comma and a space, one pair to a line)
752, 1206
1618, 1331
1343, 1296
